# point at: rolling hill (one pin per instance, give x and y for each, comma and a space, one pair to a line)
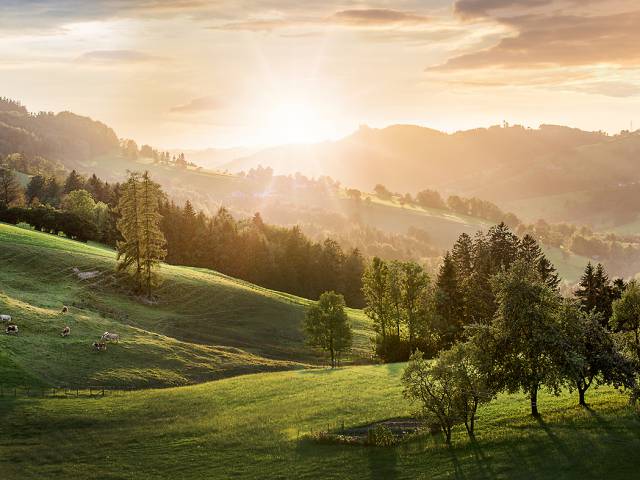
517, 168
254, 427
204, 325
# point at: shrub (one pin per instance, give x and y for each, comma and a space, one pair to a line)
381, 436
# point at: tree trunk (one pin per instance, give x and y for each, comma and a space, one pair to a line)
447, 435
534, 401
581, 394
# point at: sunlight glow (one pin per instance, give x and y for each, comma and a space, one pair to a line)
294, 122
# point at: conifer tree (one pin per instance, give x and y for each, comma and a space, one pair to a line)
448, 303
530, 252
152, 241
595, 292
74, 182
129, 225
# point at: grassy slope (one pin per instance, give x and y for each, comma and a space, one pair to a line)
247, 427
174, 342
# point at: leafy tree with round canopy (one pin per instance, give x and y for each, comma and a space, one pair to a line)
591, 354
626, 315
327, 326
527, 332
80, 203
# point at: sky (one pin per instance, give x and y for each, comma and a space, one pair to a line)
196, 74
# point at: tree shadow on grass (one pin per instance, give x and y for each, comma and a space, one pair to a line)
482, 461
383, 463
573, 456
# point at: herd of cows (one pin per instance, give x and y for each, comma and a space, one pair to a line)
100, 345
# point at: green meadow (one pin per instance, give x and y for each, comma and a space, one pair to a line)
204, 325
267, 396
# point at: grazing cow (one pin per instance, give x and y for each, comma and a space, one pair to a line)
12, 330
111, 337
65, 309
65, 332
5, 318
99, 346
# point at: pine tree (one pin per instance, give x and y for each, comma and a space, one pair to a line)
73, 182
503, 247
462, 256
449, 306
129, 225
152, 241
530, 252
595, 292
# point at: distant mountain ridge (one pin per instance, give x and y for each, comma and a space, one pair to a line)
62, 136
498, 163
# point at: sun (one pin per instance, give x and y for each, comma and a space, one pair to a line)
294, 122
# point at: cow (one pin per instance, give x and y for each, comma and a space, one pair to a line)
65, 309
12, 329
65, 332
5, 318
99, 346
111, 337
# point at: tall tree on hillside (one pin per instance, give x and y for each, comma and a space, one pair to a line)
448, 303
374, 288
10, 190
152, 241
327, 326
129, 249
74, 181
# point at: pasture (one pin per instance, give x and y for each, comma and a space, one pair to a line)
253, 427
204, 325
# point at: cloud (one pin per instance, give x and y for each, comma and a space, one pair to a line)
115, 56
356, 18
201, 104
482, 8
377, 17
609, 89
542, 41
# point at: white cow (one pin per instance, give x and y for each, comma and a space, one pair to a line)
112, 337
12, 330
5, 318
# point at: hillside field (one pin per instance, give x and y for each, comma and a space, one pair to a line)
204, 325
254, 427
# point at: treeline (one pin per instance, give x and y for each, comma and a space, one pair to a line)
473, 207
48, 219
501, 325
411, 311
53, 136
274, 257
619, 252
280, 258
129, 150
